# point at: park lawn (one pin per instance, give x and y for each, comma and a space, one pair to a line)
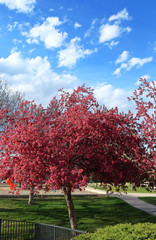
151, 200
92, 212
129, 190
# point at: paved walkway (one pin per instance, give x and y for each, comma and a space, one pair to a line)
132, 199
5, 191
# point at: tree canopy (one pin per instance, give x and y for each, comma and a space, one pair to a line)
68, 143
145, 100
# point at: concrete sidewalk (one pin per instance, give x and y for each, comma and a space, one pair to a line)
132, 199
6, 192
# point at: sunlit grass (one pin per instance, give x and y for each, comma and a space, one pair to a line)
151, 200
92, 212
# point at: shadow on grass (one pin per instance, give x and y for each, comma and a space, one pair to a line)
151, 200
92, 212
102, 212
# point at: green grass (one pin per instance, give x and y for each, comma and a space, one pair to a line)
92, 212
129, 190
151, 200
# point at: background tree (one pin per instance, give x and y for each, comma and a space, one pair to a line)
145, 100
24, 147
9, 98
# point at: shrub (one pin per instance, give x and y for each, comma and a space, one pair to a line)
140, 231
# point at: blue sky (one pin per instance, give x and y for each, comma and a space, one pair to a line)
108, 45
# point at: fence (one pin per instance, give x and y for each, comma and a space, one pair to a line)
16, 230
20, 230
52, 232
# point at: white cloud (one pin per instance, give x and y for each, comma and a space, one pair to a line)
123, 15
69, 56
47, 33
14, 49
127, 29
112, 44
88, 32
138, 62
12, 26
109, 32
113, 97
144, 76
16, 41
51, 10
129, 64
37, 79
123, 57
118, 70
34, 76
77, 25
12, 64
24, 6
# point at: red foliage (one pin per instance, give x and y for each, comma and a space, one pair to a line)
145, 100
89, 141
70, 142
23, 146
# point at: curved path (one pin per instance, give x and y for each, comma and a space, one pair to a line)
132, 199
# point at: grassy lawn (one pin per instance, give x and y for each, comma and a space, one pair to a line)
129, 190
92, 212
151, 200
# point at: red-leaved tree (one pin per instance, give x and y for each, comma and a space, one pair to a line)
89, 141
145, 100
69, 143
24, 146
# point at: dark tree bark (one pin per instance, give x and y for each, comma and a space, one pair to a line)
71, 209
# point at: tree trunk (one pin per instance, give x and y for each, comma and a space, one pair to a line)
31, 197
71, 209
132, 186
